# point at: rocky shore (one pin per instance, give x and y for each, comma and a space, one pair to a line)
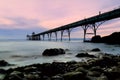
106, 67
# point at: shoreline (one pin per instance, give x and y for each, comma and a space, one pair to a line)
106, 67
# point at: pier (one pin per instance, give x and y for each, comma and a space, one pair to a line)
89, 23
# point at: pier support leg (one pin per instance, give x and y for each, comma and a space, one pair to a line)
35, 37
30, 38
95, 26
56, 35
94, 29
39, 37
62, 34
69, 34
43, 37
85, 31
50, 36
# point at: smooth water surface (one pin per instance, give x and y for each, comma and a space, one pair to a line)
21, 52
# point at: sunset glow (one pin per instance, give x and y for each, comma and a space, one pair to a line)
42, 15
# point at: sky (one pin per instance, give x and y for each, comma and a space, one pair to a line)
21, 17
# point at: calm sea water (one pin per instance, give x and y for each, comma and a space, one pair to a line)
22, 52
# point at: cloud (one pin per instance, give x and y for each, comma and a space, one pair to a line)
19, 23
18, 27
18, 33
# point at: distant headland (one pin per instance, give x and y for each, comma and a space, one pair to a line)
113, 38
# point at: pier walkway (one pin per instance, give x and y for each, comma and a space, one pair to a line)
91, 22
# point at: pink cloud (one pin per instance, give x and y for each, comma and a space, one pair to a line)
6, 21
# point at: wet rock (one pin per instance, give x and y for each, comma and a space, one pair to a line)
15, 75
2, 76
113, 73
53, 52
30, 69
2, 71
67, 50
102, 77
32, 77
105, 68
71, 62
57, 77
96, 68
103, 62
45, 78
85, 55
82, 69
51, 69
4, 63
94, 73
74, 76
96, 49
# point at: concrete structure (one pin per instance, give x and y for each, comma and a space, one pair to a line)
92, 22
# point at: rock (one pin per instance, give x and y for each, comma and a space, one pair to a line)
74, 76
53, 52
32, 77
2, 76
15, 75
96, 39
114, 69
102, 78
110, 39
71, 62
45, 78
96, 49
57, 77
82, 69
30, 69
105, 68
4, 63
103, 62
94, 73
96, 68
2, 71
113, 75
67, 50
85, 55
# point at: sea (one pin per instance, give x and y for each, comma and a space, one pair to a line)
25, 52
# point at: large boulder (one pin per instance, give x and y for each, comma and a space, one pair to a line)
96, 49
96, 39
85, 55
53, 52
4, 63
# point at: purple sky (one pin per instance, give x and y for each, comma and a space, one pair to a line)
21, 17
